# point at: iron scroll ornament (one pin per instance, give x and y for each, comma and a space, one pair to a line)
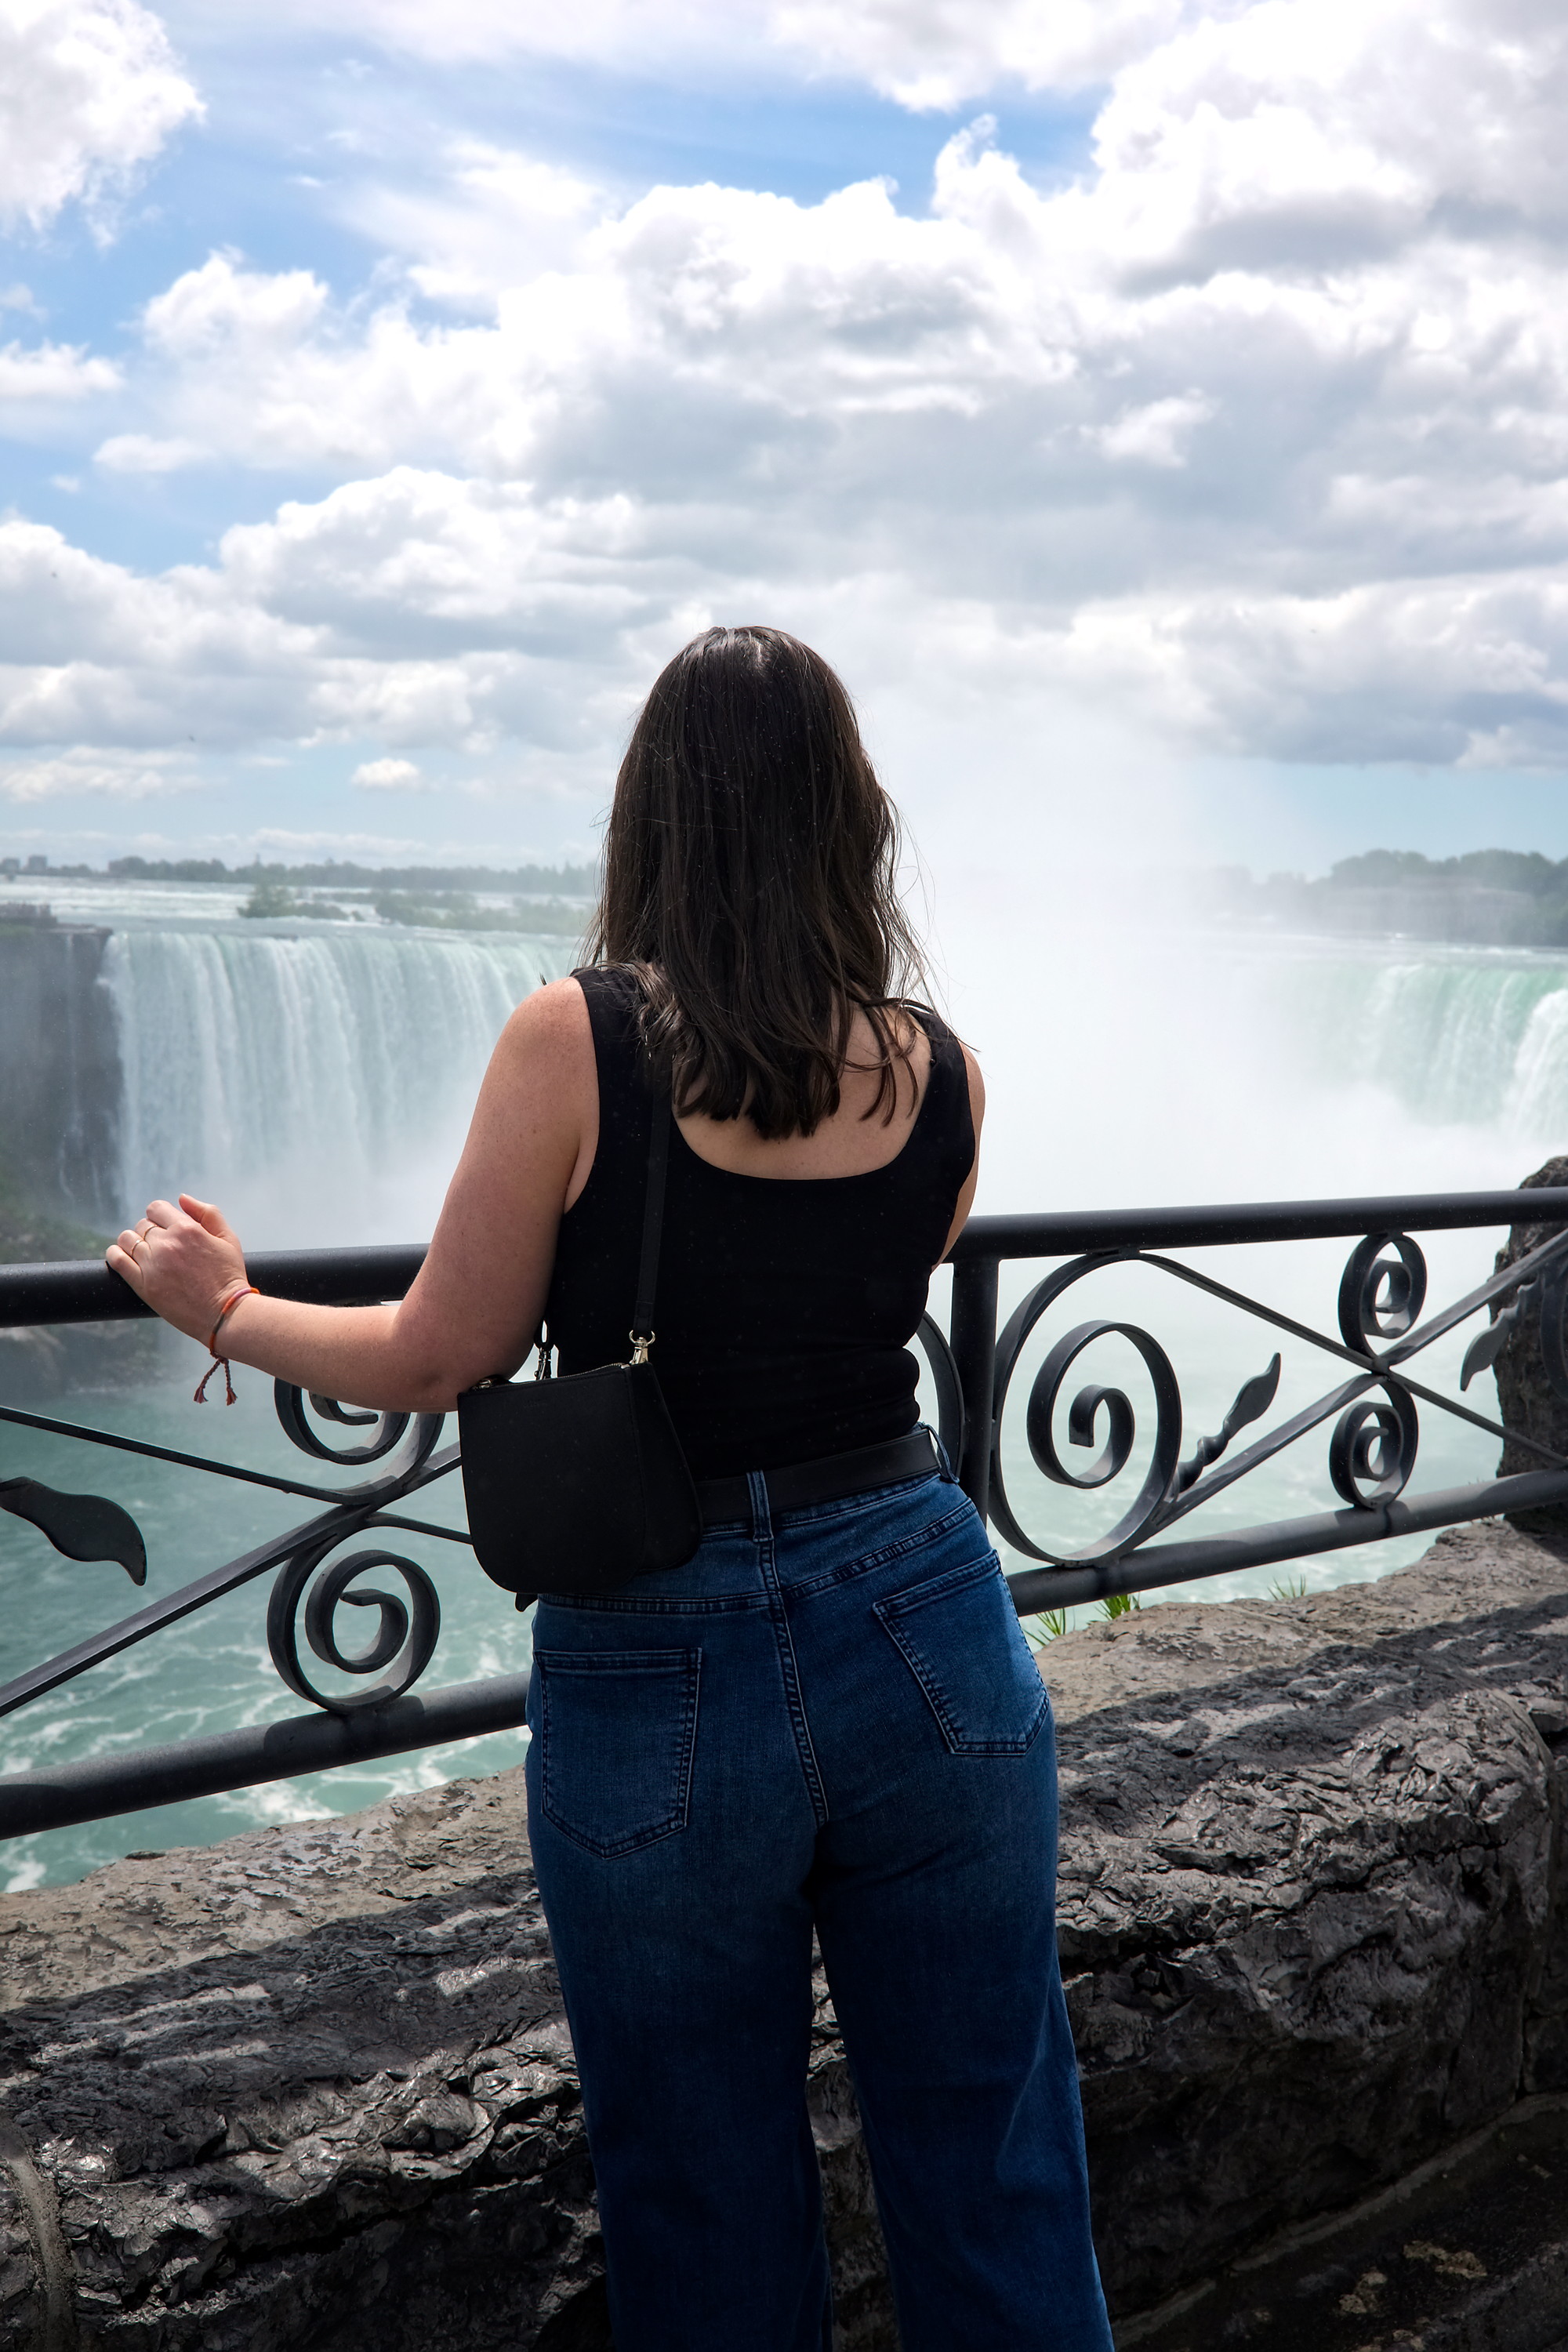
407, 1631
289, 1402
390, 1428
1083, 1414
1382, 1292
1082, 1417
403, 1640
1371, 1452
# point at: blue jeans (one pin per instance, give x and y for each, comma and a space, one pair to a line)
832, 1719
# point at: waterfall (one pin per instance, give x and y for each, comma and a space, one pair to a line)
1459, 1037
322, 1083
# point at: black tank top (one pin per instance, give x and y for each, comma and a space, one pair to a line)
784, 1305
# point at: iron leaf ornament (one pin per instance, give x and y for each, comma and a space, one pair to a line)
1252, 1401
82, 1526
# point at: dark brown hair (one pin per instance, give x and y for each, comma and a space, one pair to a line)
750, 881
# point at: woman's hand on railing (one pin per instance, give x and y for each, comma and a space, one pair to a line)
185, 1261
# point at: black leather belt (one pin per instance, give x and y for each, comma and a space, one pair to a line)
826, 1480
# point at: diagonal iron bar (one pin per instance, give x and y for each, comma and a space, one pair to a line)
349, 1517
195, 1461
1264, 1449
1311, 1416
418, 1527
1510, 1279
76, 1660
1380, 1370
1377, 1371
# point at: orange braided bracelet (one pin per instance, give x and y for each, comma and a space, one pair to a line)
249, 1290
229, 1303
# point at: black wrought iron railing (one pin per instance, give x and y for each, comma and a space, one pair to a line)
1371, 1409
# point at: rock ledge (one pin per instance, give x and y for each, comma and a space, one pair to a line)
312, 2087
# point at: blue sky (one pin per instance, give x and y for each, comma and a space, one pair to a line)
1156, 410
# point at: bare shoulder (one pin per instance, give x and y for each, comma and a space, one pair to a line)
542, 1073
558, 1010
551, 1026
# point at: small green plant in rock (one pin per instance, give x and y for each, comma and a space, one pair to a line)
1046, 1625
1289, 1588
1121, 1604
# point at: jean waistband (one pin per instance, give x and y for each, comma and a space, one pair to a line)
828, 1479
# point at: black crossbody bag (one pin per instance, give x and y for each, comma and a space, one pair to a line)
577, 1483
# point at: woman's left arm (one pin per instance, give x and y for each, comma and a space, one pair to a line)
477, 1301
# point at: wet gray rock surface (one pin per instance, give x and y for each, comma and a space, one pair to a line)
1526, 1398
1314, 1919
302, 2082
39, 1362
312, 2088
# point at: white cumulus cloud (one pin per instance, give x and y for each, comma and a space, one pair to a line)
942, 53
388, 776
1157, 433
107, 777
89, 90
53, 372
1259, 428
144, 453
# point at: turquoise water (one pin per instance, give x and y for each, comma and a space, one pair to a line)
211, 1672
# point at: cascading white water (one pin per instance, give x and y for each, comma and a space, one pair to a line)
1459, 1037
310, 1081
319, 1085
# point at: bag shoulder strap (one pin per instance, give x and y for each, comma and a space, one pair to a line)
642, 1331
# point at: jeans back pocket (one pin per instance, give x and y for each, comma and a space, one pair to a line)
960, 1637
617, 1732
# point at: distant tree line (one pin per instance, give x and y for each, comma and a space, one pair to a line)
563, 881
1490, 869
1488, 897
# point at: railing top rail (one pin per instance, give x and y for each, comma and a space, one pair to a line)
84, 1291
1070, 1232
